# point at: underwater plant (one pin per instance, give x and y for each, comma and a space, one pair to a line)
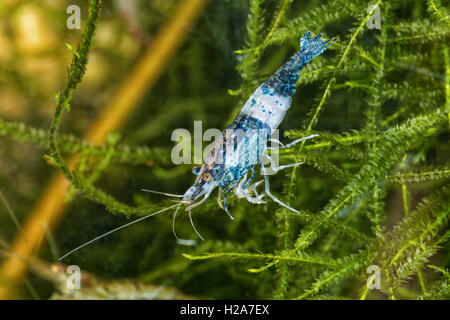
371, 199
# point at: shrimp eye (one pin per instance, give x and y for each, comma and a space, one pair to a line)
195, 170
207, 176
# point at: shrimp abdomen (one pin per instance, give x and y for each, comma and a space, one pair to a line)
271, 100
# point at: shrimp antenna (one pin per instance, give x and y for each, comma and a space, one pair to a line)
116, 229
164, 193
183, 242
193, 226
173, 222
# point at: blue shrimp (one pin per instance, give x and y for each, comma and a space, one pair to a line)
226, 167
244, 143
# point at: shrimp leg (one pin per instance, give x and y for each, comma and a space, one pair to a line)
267, 186
293, 143
219, 198
276, 168
251, 178
245, 191
225, 205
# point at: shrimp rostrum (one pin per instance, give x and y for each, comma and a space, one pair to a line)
244, 141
